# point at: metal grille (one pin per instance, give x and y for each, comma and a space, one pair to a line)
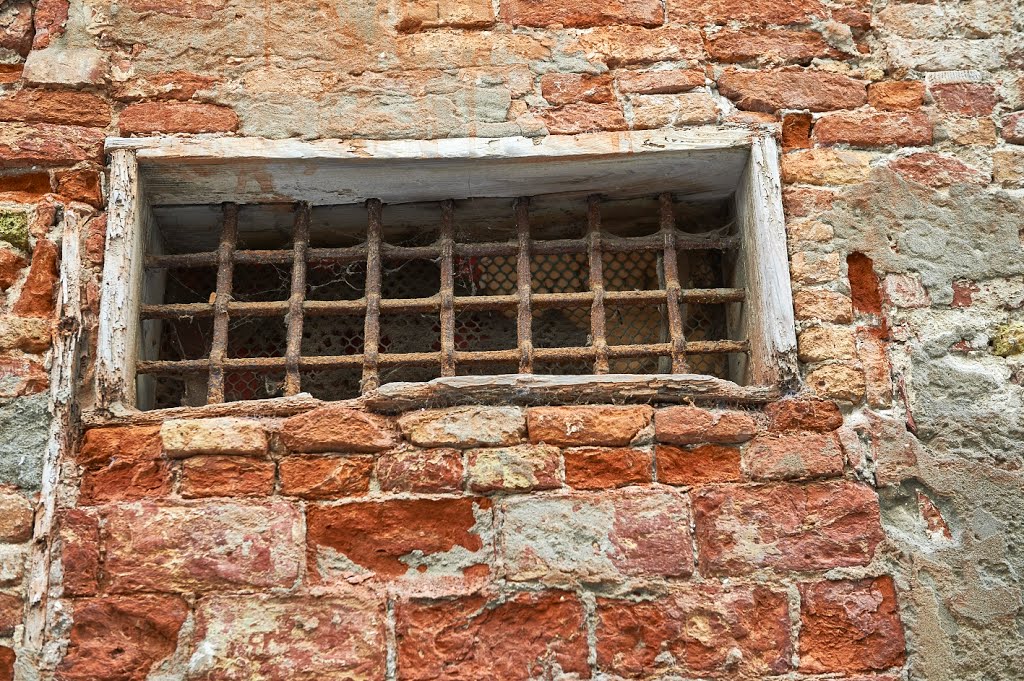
338, 321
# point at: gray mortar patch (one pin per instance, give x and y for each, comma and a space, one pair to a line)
24, 432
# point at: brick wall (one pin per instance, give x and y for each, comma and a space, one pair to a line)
754, 544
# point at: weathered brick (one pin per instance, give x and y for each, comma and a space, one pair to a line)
607, 467
697, 465
905, 290
597, 537
12, 263
122, 464
660, 111
333, 429
121, 639
7, 660
45, 144
810, 268
12, 564
936, 170
659, 82
825, 167
871, 350
739, 632
325, 477
188, 437
686, 425
865, 292
794, 456
803, 414
770, 91
1008, 167
587, 425
201, 546
38, 293
176, 85
513, 469
417, 15
11, 612
55, 106
796, 131
80, 551
419, 470
464, 426
622, 45
49, 19
823, 305
1013, 128
445, 537
583, 13
896, 95
15, 517
785, 526
16, 36
516, 638
850, 626
566, 88
66, 66
337, 636
146, 118
226, 476
80, 184
801, 202
763, 12
768, 46
967, 99
573, 119
869, 129
22, 376
841, 382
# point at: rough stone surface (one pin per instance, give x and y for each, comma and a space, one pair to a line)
213, 436
419, 470
587, 426
583, 538
15, 517
64, 66
24, 428
513, 469
330, 429
583, 14
37, 293
464, 427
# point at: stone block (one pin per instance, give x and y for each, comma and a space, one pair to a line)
188, 437
464, 427
514, 469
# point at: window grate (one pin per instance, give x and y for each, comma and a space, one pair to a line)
359, 315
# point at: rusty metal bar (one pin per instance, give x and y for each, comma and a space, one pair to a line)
598, 331
447, 293
371, 327
670, 265
524, 284
300, 246
221, 316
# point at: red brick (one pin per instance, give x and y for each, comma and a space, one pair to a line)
623, 45
419, 470
692, 425
697, 465
871, 352
896, 95
96, 239
147, 118
194, 9
121, 639
874, 129
37, 296
566, 88
418, 15
515, 638
778, 12
768, 46
582, 13
769, 91
338, 429
823, 305
30, 183
864, 289
299, 637
816, 526
176, 85
967, 99
326, 477
7, 659
936, 170
513, 469
80, 184
17, 35
806, 201
392, 530
20, 375
201, 546
50, 18
790, 457
80, 556
11, 612
587, 425
573, 119
659, 82
123, 464
796, 131
597, 537
850, 626
226, 476
16, 514
803, 414
44, 144
607, 467
55, 106
739, 632
1013, 128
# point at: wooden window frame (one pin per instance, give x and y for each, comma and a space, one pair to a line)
708, 161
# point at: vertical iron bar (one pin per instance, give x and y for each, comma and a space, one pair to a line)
524, 282
371, 329
448, 288
300, 239
225, 273
597, 317
670, 265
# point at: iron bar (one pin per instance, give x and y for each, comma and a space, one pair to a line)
670, 265
300, 244
597, 321
524, 284
222, 296
371, 327
447, 293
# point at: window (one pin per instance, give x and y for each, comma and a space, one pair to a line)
247, 269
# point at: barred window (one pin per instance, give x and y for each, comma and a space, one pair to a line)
545, 268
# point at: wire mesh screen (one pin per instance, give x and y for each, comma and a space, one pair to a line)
417, 292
